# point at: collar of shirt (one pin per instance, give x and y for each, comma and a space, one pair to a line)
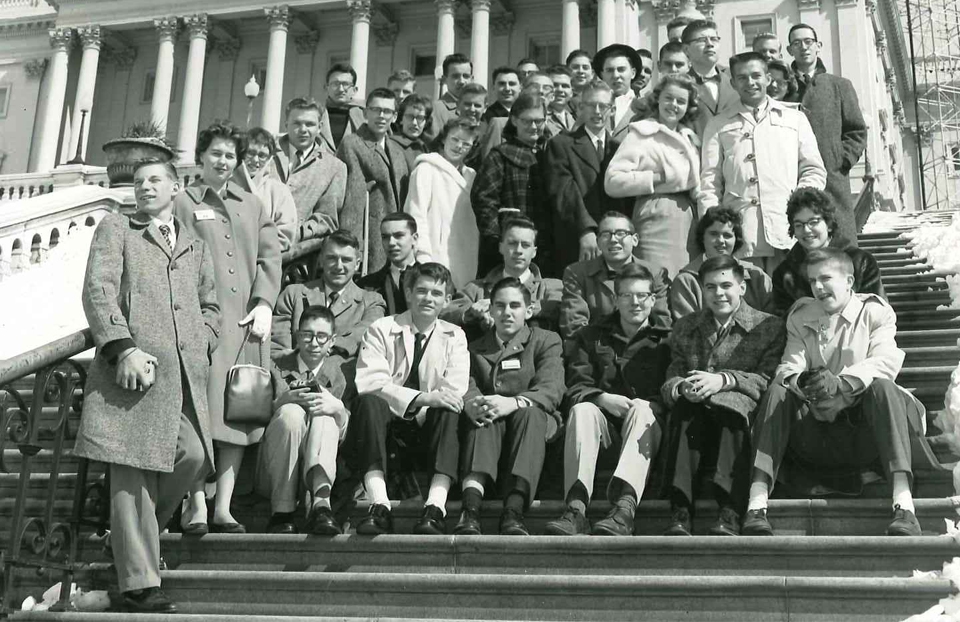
173, 228
304, 368
327, 291
712, 76
306, 152
622, 104
396, 270
602, 136
611, 271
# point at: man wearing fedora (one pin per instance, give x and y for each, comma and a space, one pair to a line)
618, 65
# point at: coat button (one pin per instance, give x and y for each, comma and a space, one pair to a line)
176, 306
754, 180
227, 236
173, 266
183, 345
750, 157
233, 289
231, 271
229, 253
754, 201
224, 220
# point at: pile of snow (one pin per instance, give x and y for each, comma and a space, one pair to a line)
42, 302
948, 609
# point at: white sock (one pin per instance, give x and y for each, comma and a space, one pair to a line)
902, 495
474, 481
437, 497
376, 486
759, 493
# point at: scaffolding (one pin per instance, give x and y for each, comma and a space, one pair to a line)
933, 36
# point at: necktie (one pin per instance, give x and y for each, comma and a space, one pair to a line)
413, 380
332, 298
299, 159
756, 114
165, 232
613, 117
600, 150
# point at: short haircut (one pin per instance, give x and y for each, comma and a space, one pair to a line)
671, 47
167, 165
525, 102
528, 61
401, 76
595, 85
832, 256
224, 130
558, 70
304, 103
676, 22
519, 222
747, 57
473, 88
341, 68
572, 56
725, 215
511, 282
414, 100
262, 136
815, 200
439, 273
801, 26
503, 69
644, 53
317, 312
619, 216
456, 123
696, 26
456, 59
382, 92
403, 217
535, 74
632, 272
341, 237
764, 36
718, 263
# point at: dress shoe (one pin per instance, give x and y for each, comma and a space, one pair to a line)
680, 523
571, 523
756, 524
148, 600
469, 523
195, 529
379, 520
904, 523
281, 522
234, 528
511, 523
321, 522
431, 523
728, 523
618, 522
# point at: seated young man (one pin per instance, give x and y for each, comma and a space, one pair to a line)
516, 383
722, 359
614, 372
412, 374
470, 307
310, 416
354, 308
833, 405
398, 234
588, 292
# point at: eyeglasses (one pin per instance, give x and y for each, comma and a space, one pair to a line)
617, 235
320, 338
813, 223
641, 298
382, 112
715, 40
803, 43
418, 118
530, 122
595, 106
346, 86
463, 145
257, 155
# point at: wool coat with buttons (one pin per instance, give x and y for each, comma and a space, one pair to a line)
245, 247
165, 303
749, 354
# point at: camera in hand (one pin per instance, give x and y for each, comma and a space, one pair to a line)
312, 385
806, 378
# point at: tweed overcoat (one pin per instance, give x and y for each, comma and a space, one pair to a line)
243, 242
686, 293
749, 353
166, 303
412, 148
318, 185
384, 176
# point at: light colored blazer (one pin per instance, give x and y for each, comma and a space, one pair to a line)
651, 147
386, 353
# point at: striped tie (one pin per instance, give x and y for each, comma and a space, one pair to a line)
165, 232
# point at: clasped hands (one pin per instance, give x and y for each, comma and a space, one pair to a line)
480, 312
700, 385
320, 403
818, 385
485, 409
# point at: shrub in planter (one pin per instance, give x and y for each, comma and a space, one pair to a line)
144, 139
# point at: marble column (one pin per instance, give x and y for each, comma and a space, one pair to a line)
360, 42
163, 81
86, 84
606, 23
446, 36
192, 87
480, 41
631, 15
279, 19
570, 30
51, 113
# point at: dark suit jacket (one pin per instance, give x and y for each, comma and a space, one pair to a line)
538, 379
285, 371
574, 184
382, 283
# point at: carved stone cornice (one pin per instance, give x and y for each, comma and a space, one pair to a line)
35, 68
61, 39
809, 5
588, 15
227, 49
446, 6
89, 36
122, 57
278, 17
665, 10
386, 34
881, 40
870, 6
479, 5
30, 28
167, 28
307, 43
846, 3
502, 23
196, 25
360, 10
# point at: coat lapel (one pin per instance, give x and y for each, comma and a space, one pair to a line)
152, 232
583, 146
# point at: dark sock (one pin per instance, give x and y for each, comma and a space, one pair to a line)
628, 497
285, 516
471, 499
678, 499
722, 497
515, 501
577, 498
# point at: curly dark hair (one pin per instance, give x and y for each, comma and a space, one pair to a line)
649, 106
723, 215
226, 131
815, 200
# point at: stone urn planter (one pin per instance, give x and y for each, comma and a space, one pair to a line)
123, 153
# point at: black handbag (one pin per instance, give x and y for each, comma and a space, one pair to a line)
248, 396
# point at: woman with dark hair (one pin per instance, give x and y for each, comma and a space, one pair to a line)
719, 232
510, 182
783, 84
412, 119
812, 218
439, 200
253, 176
658, 163
245, 247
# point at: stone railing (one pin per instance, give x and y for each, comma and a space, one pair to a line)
28, 185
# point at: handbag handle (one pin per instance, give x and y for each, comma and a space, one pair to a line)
246, 335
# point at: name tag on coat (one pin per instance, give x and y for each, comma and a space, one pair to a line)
204, 214
510, 364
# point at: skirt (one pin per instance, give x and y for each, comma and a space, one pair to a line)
666, 225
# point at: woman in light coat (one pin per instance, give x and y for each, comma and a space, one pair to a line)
255, 176
439, 200
658, 163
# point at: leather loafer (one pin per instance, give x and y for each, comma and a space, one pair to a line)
379, 520
431, 522
904, 523
469, 524
619, 522
756, 524
281, 523
680, 523
571, 523
148, 600
195, 529
321, 522
728, 523
227, 528
511, 523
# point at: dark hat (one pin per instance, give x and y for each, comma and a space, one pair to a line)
617, 49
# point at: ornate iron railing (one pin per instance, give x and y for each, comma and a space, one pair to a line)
40, 413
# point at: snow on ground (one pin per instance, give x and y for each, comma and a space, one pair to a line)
948, 609
42, 302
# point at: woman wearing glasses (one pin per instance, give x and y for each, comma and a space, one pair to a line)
439, 200
812, 215
658, 164
253, 176
413, 118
